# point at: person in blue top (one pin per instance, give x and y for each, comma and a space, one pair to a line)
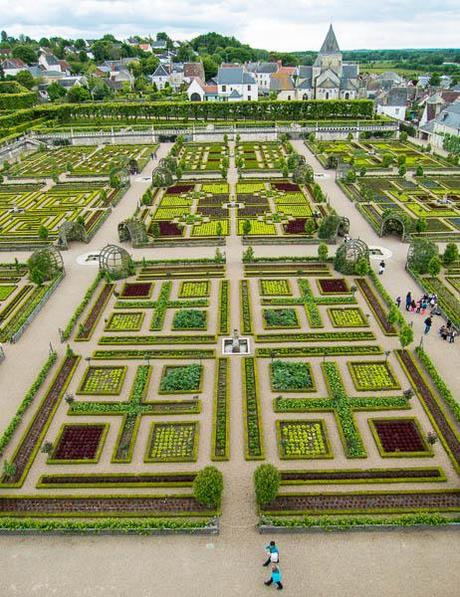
273, 553
275, 578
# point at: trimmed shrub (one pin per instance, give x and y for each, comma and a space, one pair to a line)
208, 486
267, 480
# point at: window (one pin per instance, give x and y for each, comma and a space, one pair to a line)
249, 88
326, 96
224, 87
347, 95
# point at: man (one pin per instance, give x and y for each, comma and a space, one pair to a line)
275, 578
428, 321
273, 553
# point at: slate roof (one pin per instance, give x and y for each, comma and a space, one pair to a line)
450, 117
330, 45
396, 97
305, 72
234, 75
51, 59
262, 67
349, 70
281, 82
161, 71
158, 44
13, 63
235, 95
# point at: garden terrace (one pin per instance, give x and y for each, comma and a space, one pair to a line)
257, 156
376, 155
435, 200
154, 396
202, 157
20, 299
30, 219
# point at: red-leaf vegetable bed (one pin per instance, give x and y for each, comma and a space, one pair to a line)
117, 479
399, 435
334, 286
363, 502
360, 475
116, 506
179, 188
286, 186
136, 289
295, 226
169, 229
78, 442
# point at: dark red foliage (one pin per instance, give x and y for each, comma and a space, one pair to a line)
334, 286
286, 186
295, 226
399, 436
169, 229
141, 289
78, 442
179, 188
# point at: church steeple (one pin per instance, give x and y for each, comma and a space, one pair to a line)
330, 45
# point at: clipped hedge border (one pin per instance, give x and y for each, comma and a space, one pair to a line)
224, 291
352, 476
67, 332
114, 480
206, 353
420, 520
318, 351
438, 382
27, 401
317, 337
245, 306
148, 340
221, 410
252, 416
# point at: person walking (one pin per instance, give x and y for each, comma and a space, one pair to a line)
408, 300
275, 578
273, 554
398, 301
381, 267
428, 321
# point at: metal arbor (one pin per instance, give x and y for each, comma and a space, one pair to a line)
394, 222
115, 261
133, 230
348, 255
71, 231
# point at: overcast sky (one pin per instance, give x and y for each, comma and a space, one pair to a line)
287, 25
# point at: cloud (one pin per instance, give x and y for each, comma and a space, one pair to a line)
288, 25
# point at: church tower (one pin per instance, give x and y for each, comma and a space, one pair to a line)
327, 68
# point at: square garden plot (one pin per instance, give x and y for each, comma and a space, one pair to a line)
196, 289
332, 286
103, 380
291, 376
399, 437
173, 442
189, 319
373, 376
347, 317
302, 439
79, 443
280, 318
125, 322
137, 290
6, 290
180, 379
275, 288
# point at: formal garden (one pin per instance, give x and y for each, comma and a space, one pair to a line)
133, 421
375, 155
24, 289
418, 207
79, 160
32, 215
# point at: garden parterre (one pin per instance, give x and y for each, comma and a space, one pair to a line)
164, 398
